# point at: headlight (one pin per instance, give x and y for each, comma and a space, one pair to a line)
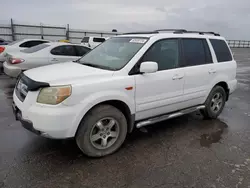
54, 95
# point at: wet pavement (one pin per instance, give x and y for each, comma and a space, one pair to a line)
183, 152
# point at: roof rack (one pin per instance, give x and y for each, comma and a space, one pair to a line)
142, 32
175, 31
203, 32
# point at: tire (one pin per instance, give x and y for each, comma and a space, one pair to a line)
210, 112
96, 127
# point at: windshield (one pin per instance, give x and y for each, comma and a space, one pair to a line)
35, 48
113, 54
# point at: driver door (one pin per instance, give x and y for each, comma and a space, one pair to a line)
160, 92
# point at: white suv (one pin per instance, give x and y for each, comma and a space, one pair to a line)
127, 82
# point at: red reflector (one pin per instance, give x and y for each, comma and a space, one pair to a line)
129, 88
16, 61
2, 49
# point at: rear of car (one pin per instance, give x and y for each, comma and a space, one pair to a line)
42, 55
17, 46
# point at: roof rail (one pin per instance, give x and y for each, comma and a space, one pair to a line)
203, 32
173, 30
142, 32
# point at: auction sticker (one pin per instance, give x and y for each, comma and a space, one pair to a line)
141, 41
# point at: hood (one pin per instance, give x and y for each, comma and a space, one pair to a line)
66, 73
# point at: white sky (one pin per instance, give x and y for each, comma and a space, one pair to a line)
228, 17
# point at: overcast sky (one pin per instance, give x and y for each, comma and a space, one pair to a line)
229, 17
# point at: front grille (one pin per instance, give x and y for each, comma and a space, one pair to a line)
21, 89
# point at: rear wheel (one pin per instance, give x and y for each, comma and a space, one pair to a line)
214, 103
102, 131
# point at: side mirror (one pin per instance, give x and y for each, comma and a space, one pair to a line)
148, 67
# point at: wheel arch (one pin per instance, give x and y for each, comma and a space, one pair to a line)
120, 105
224, 85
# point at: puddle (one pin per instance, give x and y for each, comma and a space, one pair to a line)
206, 140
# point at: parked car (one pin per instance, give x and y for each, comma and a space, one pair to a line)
92, 42
41, 55
19, 45
128, 82
4, 42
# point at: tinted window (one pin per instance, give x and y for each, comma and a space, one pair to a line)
98, 39
80, 50
221, 50
35, 48
67, 50
1, 40
194, 52
165, 53
29, 44
85, 39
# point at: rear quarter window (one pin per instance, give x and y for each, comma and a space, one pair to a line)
221, 50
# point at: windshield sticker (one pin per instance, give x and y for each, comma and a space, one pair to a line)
141, 41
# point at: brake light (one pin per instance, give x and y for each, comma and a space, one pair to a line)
2, 49
16, 60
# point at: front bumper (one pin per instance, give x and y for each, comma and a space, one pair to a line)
10, 70
46, 120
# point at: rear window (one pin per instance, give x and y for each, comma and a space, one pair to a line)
85, 39
98, 39
221, 50
35, 48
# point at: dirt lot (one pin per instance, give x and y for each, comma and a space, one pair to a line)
183, 152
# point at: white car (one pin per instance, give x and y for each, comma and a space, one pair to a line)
92, 42
19, 45
128, 82
41, 55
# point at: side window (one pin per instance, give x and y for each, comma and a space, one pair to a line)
165, 53
194, 52
32, 43
65, 50
221, 50
98, 39
80, 50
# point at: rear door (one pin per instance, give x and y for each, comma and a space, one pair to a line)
225, 65
63, 53
199, 70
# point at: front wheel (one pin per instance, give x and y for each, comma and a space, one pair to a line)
102, 131
214, 103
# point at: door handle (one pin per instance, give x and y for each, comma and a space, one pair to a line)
177, 77
54, 59
212, 71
